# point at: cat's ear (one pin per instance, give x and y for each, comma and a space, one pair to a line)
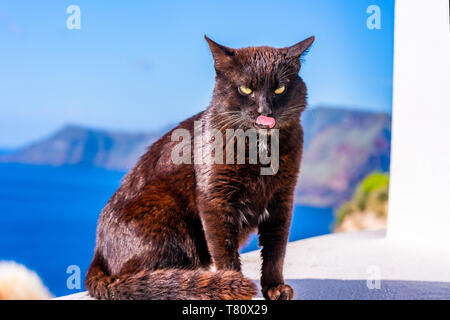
297, 50
223, 56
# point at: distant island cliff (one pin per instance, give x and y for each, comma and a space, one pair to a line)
76, 145
341, 147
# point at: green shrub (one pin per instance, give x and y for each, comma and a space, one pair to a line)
370, 194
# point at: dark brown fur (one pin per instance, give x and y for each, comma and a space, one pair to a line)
167, 223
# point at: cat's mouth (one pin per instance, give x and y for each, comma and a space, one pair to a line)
264, 121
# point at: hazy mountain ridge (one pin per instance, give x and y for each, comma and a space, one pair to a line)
75, 145
341, 147
4, 152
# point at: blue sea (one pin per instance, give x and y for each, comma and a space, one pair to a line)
48, 218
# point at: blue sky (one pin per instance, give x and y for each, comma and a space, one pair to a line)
140, 65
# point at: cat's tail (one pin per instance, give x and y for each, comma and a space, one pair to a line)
170, 284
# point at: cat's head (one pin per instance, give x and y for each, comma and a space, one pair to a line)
258, 86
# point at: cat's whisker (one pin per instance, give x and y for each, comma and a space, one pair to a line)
228, 123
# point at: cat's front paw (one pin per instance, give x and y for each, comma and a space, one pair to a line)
279, 292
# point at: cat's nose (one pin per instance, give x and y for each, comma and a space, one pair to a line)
264, 107
264, 112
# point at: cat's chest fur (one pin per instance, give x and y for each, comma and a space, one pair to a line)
242, 188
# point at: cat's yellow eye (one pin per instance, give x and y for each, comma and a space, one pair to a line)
245, 90
280, 90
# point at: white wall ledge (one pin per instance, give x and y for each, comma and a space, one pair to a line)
337, 266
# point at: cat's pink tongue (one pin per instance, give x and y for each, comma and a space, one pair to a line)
266, 121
